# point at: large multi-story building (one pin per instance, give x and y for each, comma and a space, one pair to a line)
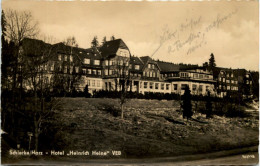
104, 67
232, 82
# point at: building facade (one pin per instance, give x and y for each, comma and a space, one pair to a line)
104, 67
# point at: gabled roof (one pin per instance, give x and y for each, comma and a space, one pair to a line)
167, 66
136, 61
109, 48
146, 59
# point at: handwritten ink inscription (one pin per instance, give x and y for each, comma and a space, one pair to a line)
186, 37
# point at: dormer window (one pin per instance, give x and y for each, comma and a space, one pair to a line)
137, 67
86, 61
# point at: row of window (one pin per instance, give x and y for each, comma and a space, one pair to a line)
228, 87
152, 85
91, 71
223, 79
149, 74
194, 87
87, 61
94, 83
66, 57
151, 66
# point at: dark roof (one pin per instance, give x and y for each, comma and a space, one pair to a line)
168, 67
34, 47
136, 60
109, 48
146, 59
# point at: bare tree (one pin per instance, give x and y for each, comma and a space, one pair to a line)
35, 59
18, 25
123, 82
73, 45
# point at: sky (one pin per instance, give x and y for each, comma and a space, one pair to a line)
178, 32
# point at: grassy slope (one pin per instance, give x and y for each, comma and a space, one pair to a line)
150, 128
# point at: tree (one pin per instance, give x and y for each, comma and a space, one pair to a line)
17, 26
122, 81
74, 77
186, 104
35, 59
94, 43
104, 40
112, 37
206, 64
212, 62
208, 106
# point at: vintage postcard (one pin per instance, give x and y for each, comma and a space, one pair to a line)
129, 83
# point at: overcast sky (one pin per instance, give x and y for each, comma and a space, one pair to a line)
191, 30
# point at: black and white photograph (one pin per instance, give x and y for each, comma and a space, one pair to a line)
129, 82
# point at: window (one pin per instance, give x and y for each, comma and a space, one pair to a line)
150, 74
140, 84
93, 82
65, 69
71, 69
152, 66
89, 71
162, 86
151, 85
60, 67
52, 67
200, 88
149, 66
195, 75
106, 72
207, 88
194, 87
84, 71
88, 82
99, 72
77, 69
111, 62
145, 85
137, 67
130, 66
94, 72
65, 57
232, 81
219, 79
121, 62
106, 62
219, 86
153, 74
175, 86
183, 86
223, 80
232, 75
59, 57
156, 85
98, 83
228, 87
86, 61
227, 81
71, 58
167, 86
96, 62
